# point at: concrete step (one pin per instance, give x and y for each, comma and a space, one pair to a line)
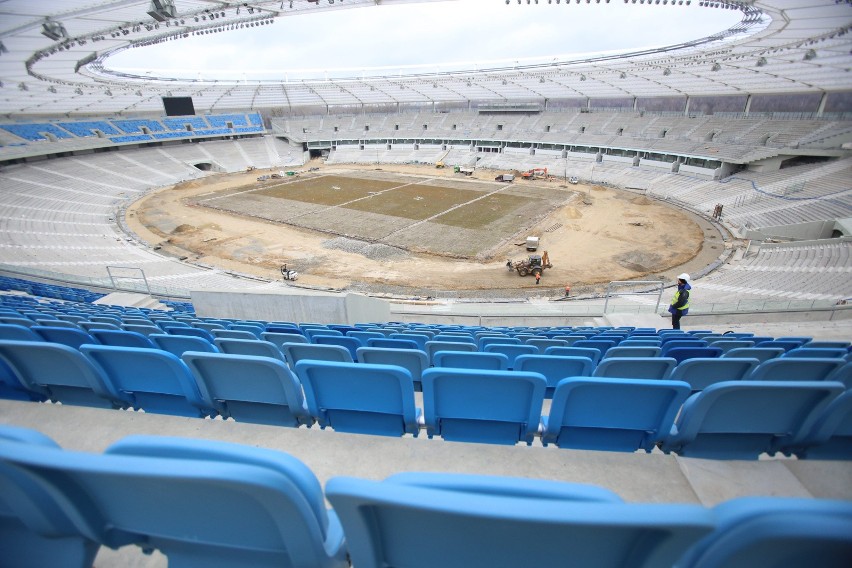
131, 300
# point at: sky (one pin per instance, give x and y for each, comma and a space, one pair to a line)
423, 37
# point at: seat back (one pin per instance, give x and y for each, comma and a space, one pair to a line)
397, 524
254, 329
295, 352
601, 345
543, 344
388, 343
471, 360
491, 339
722, 422
419, 338
143, 329
413, 360
121, 338
511, 351
360, 398
796, 369
349, 343
759, 353
592, 353
498, 407
192, 331
613, 414
433, 347
727, 344
701, 373
254, 347
817, 352
632, 351
232, 334
279, 338
161, 493
635, 367
179, 344
831, 435
63, 335
681, 354
785, 345
17, 332
246, 388
555, 368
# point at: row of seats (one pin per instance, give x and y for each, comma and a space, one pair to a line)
808, 418
207, 503
48, 290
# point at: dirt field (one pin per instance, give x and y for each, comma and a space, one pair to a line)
354, 227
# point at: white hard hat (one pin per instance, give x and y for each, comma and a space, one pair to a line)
684, 277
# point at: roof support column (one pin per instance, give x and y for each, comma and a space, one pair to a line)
686, 109
748, 105
635, 103
822, 100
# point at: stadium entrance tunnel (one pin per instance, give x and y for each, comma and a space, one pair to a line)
208, 167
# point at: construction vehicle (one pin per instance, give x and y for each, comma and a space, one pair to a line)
534, 264
250, 168
533, 243
289, 274
439, 165
463, 170
535, 173
508, 178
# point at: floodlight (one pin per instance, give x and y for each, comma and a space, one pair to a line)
162, 10
3, 48
761, 62
809, 54
53, 30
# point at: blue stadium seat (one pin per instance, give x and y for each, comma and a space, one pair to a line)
350, 343
233, 334
34, 530
88, 326
56, 323
785, 345
143, 329
621, 350
295, 352
360, 398
121, 338
61, 373
254, 329
471, 360
17, 320
555, 368
590, 352
65, 336
612, 414
543, 344
153, 380
455, 338
191, 331
261, 390
169, 494
796, 369
490, 339
253, 347
17, 332
701, 373
179, 344
723, 421
364, 336
817, 352
511, 351
600, 344
388, 343
831, 435
279, 338
414, 360
776, 531
681, 354
312, 332
397, 524
497, 407
727, 344
829, 344
433, 347
760, 353
635, 367
419, 338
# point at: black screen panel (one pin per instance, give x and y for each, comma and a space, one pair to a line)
178, 106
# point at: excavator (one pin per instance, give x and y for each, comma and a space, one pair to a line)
531, 265
535, 173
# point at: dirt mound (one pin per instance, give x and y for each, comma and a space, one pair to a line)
638, 260
572, 213
598, 188
181, 229
641, 200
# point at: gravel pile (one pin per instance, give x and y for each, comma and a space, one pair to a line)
346, 245
371, 251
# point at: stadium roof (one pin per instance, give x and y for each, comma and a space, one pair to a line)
54, 60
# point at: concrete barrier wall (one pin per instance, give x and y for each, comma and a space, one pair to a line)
301, 306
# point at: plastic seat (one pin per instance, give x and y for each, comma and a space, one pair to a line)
830, 437
179, 344
143, 329
34, 531
388, 343
64, 336
633, 341
496, 407
398, 524
56, 323
192, 331
456, 338
471, 360
491, 339
433, 347
817, 352
280, 339
208, 326
88, 326
681, 354
796, 369
632, 351
17, 332
413, 360
722, 421
701, 373
759, 353
254, 347
829, 344
728, 344
312, 332
785, 345
776, 531
17, 320
350, 343
543, 344
511, 351
121, 338
667, 346
419, 338
635, 367
601, 344
168, 494
153, 380
612, 414
60, 373
295, 352
364, 336
554, 368
360, 398
592, 353
255, 330
261, 390
232, 334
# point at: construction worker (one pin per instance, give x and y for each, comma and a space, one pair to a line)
680, 301
537, 277
567, 290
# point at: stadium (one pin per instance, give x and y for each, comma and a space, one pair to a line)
234, 303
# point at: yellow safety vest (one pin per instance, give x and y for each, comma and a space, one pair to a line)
677, 296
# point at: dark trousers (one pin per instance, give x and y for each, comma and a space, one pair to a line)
676, 319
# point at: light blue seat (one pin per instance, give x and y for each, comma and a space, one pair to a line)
350, 343
471, 360
612, 414
254, 347
433, 347
143, 329
414, 360
491, 339
56, 323
843, 374
785, 345
193, 331
592, 353
760, 353
364, 336
232, 334
632, 351
701, 373
65, 336
262, 390
17, 320
455, 338
34, 531
360, 398
743, 419
555, 368
817, 352
423, 525
796, 369
254, 329
419, 338
89, 326
635, 367
829, 344
208, 326
295, 352
511, 351
831, 435
280, 339
388, 343
634, 341
121, 338
179, 344
667, 346
170, 494
600, 344
776, 531
312, 332
17, 332
681, 354
153, 380
727, 344
496, 407
543, 344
